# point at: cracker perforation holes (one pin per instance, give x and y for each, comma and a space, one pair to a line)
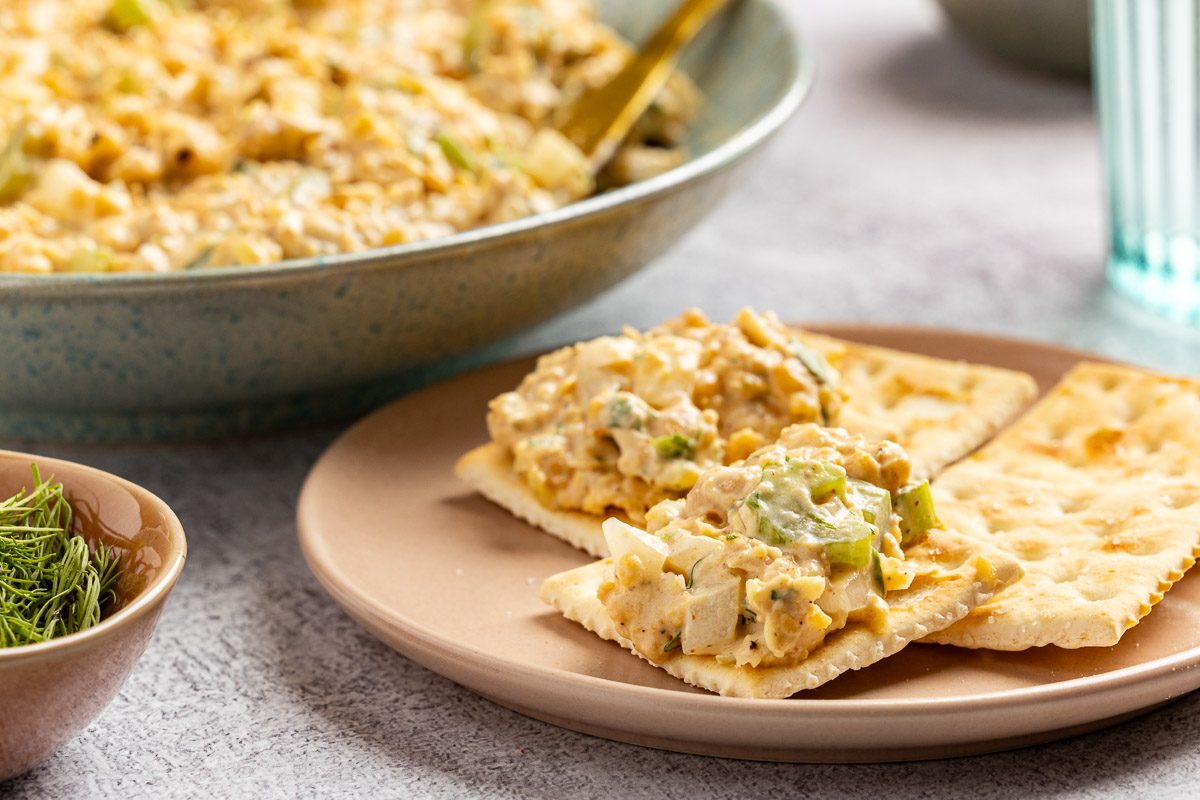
1142, 405
1130, 539
996, 525
1066, 573
1182, 497
1058, 429
1074, 505
1032, 551
1078, 458
964, 491
1097, 593
1178, 470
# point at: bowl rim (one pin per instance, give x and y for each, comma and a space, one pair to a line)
733, 149
141, 604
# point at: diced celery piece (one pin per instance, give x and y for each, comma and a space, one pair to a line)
825, 479
15, 174
409, 84
674, 446
850, 552
96, 260
793, 502
877, 573
477, 38
129, 83
914, 504
812, 526
621, 413
125, 14
821, 477
769, 532
850, 542
876, 503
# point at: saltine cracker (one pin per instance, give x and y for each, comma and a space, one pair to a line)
953, 576
1096, 491
937, 409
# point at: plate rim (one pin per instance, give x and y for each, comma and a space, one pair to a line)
418, 636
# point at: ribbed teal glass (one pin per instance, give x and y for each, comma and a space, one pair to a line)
1146, 68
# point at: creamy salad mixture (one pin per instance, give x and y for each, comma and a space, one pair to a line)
768, 556
158, 135
622, 422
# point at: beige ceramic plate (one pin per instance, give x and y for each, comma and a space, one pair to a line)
452, 582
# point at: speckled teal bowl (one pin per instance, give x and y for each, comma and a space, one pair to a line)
218, 352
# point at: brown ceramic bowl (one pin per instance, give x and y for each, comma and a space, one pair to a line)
52, 690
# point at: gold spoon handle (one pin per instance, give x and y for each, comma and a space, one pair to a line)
599, 119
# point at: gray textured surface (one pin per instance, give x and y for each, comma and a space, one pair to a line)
937, 187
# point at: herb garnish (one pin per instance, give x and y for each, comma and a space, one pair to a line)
51, 584
812, 362
201, 259
817, 368
673, 642
691, 581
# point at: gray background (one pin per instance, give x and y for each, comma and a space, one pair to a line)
920, 183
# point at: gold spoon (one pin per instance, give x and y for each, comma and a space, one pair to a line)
599, 119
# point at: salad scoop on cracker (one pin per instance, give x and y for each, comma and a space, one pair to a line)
611, 426
813, 556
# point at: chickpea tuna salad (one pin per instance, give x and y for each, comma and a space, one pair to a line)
767, 557
162, 135
619, 423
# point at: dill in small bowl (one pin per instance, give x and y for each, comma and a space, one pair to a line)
51, 583
87, 560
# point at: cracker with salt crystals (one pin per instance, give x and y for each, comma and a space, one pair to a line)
954, 575
1096, 491
938, 410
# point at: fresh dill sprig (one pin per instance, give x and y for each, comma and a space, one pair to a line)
51, 583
